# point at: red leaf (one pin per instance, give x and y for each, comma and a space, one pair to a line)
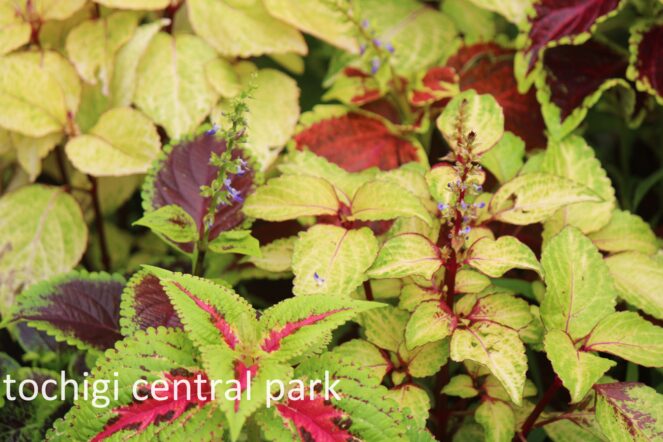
141, 414
575, 72
367, 84
242, 375
216, 318
557, 19
435, 86
151, 305
273, 341
317, 420
183, 170
628, 408
488, 69
356, 142
649, 64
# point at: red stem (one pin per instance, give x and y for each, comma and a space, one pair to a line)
368, 290
540, 406
94, 192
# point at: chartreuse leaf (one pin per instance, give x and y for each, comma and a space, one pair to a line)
497, 420
382, 200
367, 357
469, 281
332, 260
506, 158
171, 86
625, 232
574, 159
429, 322
123, 142
501, 308
571, 430
579, 291
42, 234
243, 29
80, 308
291, 327
629, 411
493, 387
123, 81
439, 180
29, 151
495, 258
15, 31
638, 279
385, 327
316, 17
413, 398
32, 101
267, 131
289, 197
577, 369
135, 4
426, 359
468, 113
535, 197
629, 336
92, 45
404, 255
236, 241
462, 386
513, 10
275, 256
223, 77
497, 347
160, 357
172, 222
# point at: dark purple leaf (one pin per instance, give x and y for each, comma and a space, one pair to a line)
649, 61
145, 304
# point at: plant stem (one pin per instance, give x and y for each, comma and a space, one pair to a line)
540, 406
368, 290
99, 220
62, 165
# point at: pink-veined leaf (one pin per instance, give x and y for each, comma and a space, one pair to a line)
356, 142
564, 20
317, 420
80, 308
646, 55
177, 176
488, 69
273, 341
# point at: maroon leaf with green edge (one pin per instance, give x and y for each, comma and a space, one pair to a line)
317, 420
177, 176
145, 304
488, 69
646, 55
80, 308
438, 83
567, 20
629, 411
184, 391
574, 73
356, 142
368, 90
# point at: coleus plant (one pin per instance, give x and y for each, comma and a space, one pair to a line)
450, 202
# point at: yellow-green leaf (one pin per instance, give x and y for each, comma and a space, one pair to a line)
405, 255
14, 31
429, 323
497, 420
639, 279
495, 258
624, 233
135, 4
382, 200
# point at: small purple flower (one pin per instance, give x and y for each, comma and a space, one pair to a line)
364, 23
362, 49
480, 205
478, 187
377, 42
463, 204
375, 65
318, 279
442, 207
235, 195
466, 230
389, 47
241, 167
213, 130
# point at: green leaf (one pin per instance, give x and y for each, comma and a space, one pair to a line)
332, 260
501, 308
414, 398
426, 359
498, 348
383, 200
497, 420
267, 131
405, 255
638, 279
171, 221
629, 411
385, 327
462, 386
275, 256
237, 29
513, 10
495, 258
624, 233
148, 5
223, 78
506, 158
92, 45
579, 291
475, 24
289, 197
574, 159
439, 179
629, 336
469, 281
123, 81
15, 31
578, 370
42, 234
468, 113
236, 241
367, 357
572, 430
429, 323
535, 197
171, 85
123, 142
29, 151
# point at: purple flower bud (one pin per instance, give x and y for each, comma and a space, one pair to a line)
480, 205
463, 204
364, 23
362, 49
213, 130
241, 167
442, 207
377, 42
234, 194
389, 47
375, 65
478, 187
318, 279
466, 230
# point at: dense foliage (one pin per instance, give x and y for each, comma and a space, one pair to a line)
451, 207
